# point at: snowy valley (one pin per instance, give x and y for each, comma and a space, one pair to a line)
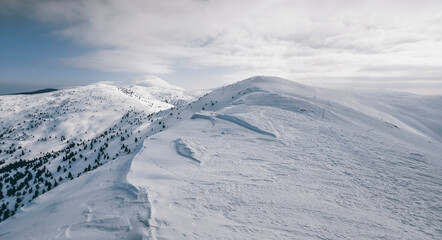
264, 158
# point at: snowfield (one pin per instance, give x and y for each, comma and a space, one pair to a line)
264, 158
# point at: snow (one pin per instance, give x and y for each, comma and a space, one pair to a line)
98, 205
243, 124
264, 158
331, 171
151, 81
96, 124
187, 149
150, 86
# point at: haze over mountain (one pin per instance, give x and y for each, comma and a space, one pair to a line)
264, 158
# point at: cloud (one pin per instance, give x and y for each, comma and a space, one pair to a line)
299, 39
120, 61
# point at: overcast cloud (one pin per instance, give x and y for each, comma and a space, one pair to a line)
396, 44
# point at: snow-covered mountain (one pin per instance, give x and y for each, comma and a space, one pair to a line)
264, 158
48, 139
149, 87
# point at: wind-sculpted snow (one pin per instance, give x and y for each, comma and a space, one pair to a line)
203, 116
264, 158
334, 171
185, 149
243, 124
98, 205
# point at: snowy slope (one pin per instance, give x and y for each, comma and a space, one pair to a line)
79, 113
148, 87
271, 159
262, 158
49, 139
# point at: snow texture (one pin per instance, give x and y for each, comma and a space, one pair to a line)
264, 158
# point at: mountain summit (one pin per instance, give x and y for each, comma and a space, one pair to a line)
151, 81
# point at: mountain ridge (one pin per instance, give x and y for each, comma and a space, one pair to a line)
284, 154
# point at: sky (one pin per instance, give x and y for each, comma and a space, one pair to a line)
351, 44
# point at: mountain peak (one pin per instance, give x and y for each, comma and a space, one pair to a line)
151, 81
272, 81
275, 85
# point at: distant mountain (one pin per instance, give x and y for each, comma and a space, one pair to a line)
154, 87
150, 81
45, 90
264, 158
